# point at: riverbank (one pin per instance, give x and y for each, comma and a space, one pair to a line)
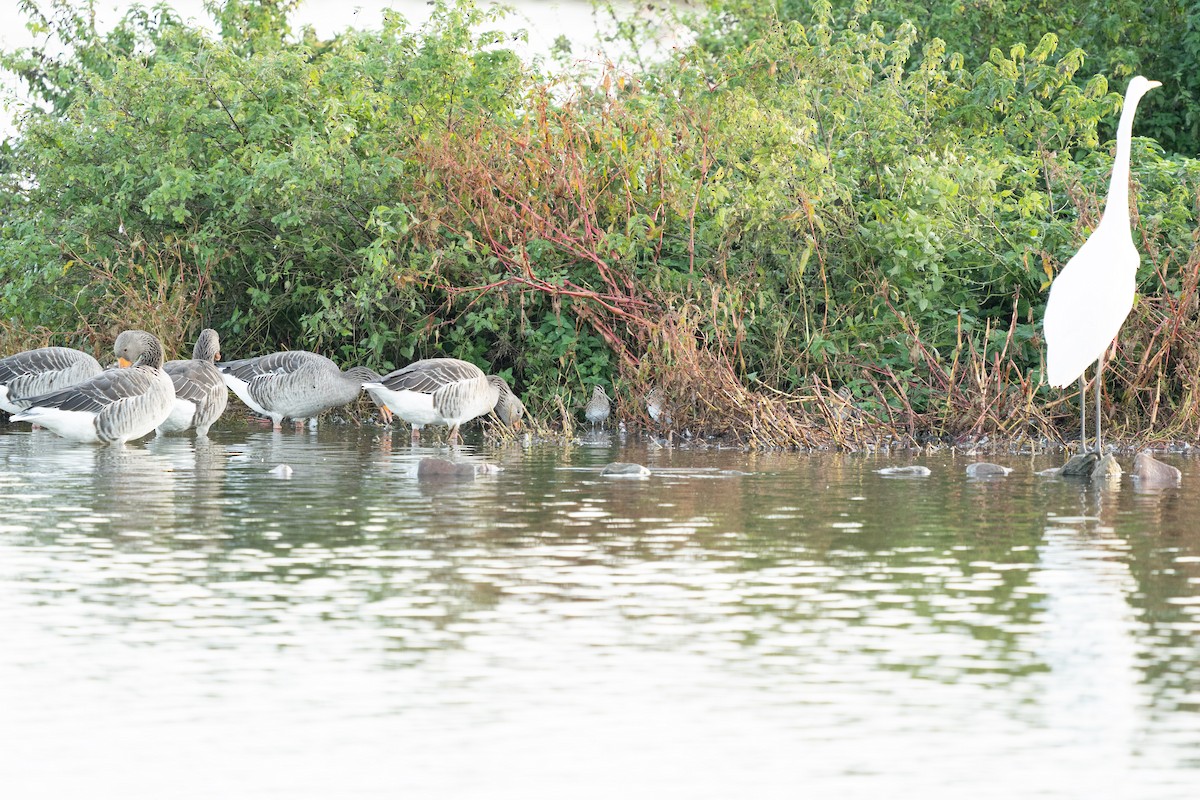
714, 226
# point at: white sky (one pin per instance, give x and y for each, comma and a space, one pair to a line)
544, 20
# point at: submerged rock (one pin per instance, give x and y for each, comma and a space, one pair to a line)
1149, 472
909, 472
984, 469
622, 469
443, 469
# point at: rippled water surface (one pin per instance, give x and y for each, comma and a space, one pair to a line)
175, 621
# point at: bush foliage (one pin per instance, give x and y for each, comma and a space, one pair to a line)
827, 214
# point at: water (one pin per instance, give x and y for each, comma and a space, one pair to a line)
177, 622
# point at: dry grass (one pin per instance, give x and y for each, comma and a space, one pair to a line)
157, 290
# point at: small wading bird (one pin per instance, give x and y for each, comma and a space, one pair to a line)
115, 406
656, 406
1093, 293
596, 410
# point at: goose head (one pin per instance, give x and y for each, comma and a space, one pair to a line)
208, 346
361, 375
509, 407
138, 349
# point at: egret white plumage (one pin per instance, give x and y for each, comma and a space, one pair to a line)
1093, 293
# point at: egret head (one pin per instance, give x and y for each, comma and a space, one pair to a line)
1138, 86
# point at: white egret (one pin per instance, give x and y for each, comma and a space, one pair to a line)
1093, 293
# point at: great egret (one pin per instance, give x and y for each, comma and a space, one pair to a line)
1093, 293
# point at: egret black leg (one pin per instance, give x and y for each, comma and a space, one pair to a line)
1082, 414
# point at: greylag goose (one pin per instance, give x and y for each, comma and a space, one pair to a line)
115, 406
509, 407
596, 410
43, 370
436, 391
294, 384
200, 392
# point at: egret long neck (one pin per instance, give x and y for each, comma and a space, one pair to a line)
1116, 208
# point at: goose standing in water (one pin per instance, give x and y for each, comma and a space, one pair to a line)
43, 370
437, 391
200, 392
294, 384
115, 406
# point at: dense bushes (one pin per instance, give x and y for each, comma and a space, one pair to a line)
1121, 38
783, 218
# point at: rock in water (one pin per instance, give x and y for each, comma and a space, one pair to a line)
983, 469
908, 472
622, 469
1107, 469
1080, 466
443, 469
1152, 473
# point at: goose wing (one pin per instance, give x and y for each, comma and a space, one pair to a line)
315, 387
197, 381
275, 363
100, 392
36, 372
430, 374
43, 359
